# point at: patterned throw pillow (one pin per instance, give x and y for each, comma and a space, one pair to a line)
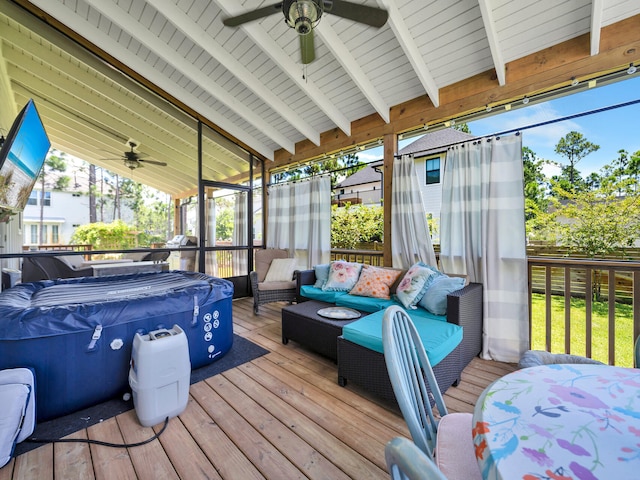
415, 282
342, 276
375, 282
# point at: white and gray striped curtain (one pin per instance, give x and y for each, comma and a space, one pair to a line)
410, 237
300, 219
483, 236
239, 257
210, 263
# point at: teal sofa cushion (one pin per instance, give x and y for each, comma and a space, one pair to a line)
439, 338
309, 291
364, 304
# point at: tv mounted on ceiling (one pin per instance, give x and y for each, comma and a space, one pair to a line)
21, 158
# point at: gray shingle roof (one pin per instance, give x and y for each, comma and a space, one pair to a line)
436, 142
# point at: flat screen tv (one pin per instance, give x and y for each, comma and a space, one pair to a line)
21, 158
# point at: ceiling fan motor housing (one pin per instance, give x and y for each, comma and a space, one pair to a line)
302, 15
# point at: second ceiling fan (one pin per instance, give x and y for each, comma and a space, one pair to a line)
304, 15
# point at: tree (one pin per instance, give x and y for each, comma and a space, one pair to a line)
55, 162
534, 183
354, 224
339, 167
462, 127
574, 147
93, 217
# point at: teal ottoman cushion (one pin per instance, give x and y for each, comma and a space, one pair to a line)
439, 338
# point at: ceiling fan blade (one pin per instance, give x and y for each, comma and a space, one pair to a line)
252, 15
153, 162
372, 16
307, 48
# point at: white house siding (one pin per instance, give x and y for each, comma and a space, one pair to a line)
431, 194
368, 193
68, 210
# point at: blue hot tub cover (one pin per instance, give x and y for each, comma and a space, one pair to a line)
76, 334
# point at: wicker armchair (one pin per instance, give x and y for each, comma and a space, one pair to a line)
270, 291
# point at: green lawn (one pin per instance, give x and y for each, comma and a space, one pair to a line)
600, 335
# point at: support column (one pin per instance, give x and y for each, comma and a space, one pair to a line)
390, 149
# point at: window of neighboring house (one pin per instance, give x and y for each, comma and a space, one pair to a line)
33, 198
34, 234
54, 234
45, 236
46, 200
432, 170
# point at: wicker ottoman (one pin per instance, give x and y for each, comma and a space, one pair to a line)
302, 324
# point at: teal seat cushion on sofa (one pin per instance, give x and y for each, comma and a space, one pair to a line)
364, 304
439, 338
314, 293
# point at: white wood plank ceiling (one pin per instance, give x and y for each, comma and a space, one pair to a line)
249, 80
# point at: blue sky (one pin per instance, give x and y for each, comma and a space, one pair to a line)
613, 130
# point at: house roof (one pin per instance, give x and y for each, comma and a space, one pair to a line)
430, 61
368, 174
435, 142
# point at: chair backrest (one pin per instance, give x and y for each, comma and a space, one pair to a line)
408, 367
405, 461
264, 258
155, 257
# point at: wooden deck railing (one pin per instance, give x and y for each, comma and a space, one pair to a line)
578, 290
606, 284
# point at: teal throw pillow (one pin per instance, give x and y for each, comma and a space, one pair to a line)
435, 298
322, 274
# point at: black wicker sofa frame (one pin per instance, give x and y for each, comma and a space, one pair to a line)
367, 369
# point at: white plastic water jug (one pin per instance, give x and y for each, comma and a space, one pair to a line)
159, 375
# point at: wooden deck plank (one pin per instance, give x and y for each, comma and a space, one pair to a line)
37, 463
222, 452
185, 454
265, 456
282, 415
73, 460
311, 462
147, 459
109, 463
301, 416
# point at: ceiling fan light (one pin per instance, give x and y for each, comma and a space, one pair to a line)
303, 15
132, 164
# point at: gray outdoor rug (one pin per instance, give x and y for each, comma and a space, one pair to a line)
241, 352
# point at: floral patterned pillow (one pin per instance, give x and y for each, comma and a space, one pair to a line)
342, 276
415, 283
375, 282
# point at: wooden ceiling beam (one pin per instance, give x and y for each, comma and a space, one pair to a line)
546, 70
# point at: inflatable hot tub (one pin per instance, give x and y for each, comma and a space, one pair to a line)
77, 334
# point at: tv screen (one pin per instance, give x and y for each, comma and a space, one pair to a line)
21, 157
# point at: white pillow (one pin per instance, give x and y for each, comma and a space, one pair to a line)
13, 398
281, 270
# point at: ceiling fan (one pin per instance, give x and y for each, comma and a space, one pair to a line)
134, 160
304, 15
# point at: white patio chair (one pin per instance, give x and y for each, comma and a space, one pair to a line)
405, 461
447, 441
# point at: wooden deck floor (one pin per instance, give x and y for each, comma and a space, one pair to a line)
280, 416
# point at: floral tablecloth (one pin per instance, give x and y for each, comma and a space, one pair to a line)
560, 422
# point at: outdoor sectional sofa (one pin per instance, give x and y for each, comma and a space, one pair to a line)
451, 340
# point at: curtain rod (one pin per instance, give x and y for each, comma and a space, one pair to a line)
527, 127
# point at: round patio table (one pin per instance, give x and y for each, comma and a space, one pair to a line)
560, 422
